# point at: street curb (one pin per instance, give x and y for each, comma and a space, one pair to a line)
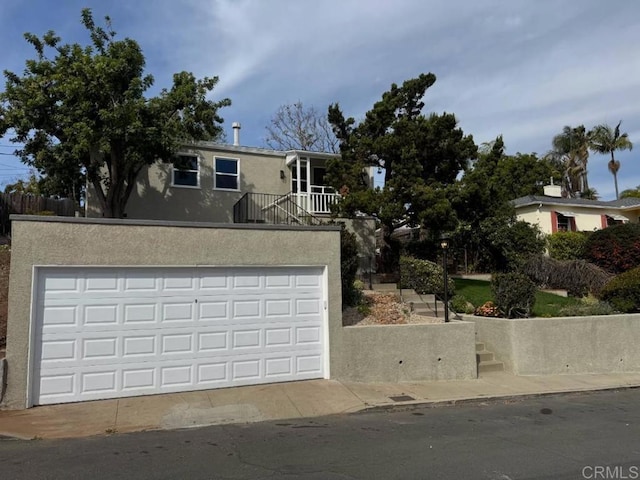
400, 406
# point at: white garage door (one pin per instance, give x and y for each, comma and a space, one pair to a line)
119, 332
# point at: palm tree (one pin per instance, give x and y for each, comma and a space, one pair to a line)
590, 194
631, 193
604, 139
571, 148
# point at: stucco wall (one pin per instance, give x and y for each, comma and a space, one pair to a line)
364, 229
154, 198
58, 241
543, 346
535, 216
404, 353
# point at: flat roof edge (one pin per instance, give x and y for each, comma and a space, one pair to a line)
165, 223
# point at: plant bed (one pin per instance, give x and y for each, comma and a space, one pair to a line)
383, 309
547, 304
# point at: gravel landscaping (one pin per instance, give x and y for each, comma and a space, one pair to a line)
383, 309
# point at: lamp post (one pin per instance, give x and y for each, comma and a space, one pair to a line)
444, 244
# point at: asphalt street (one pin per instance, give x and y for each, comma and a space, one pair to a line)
583, 436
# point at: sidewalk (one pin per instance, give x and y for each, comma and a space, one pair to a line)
294, 400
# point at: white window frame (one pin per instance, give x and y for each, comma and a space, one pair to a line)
236, 175
173, 171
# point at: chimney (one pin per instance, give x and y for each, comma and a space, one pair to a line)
553, 190
236, 133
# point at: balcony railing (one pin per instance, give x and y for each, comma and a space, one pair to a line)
272, 208
319, 201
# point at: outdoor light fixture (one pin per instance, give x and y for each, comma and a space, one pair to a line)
444, 244
282, 174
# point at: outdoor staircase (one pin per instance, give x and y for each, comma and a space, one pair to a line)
273, 209
425, 305
429, 306
486, 360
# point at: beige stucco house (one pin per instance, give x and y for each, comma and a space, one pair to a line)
553, 213
205, 181
218, 183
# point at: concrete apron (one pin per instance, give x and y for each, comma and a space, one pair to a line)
292, 401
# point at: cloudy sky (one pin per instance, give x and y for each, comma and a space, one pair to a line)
520, 68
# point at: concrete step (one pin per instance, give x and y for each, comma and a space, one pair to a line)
479, 346
490, 366
484, 356
408, 296
385, 278
428, 298
428, 311
385, 287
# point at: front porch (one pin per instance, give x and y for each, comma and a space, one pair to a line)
308, 197
308, 171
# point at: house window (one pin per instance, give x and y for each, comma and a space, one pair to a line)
318, 175
303, 178
226, 173
185, 171
613, 221
565, 224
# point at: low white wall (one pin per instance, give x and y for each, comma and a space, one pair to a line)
546, 346
404, 353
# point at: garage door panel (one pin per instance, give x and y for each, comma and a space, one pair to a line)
54, 317
114, 332
307, 306
142, 378
309, 364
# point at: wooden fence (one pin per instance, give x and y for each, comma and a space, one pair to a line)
29, 204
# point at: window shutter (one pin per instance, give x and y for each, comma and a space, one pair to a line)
554, 222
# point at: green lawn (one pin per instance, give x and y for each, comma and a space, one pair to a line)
479, 291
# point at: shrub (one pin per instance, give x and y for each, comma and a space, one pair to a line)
351, 296
567, 245
616, 248
587, 308
504, 244
623, 291
423, 276
461, 305
514, 294
577, 277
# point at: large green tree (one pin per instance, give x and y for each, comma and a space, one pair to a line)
525, 174
607, 140
488, 232
82, 110
421, 156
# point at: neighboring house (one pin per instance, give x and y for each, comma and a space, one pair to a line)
553, 213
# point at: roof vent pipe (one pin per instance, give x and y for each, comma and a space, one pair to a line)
236, 133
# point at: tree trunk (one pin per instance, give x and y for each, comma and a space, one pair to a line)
614, 170
387, 254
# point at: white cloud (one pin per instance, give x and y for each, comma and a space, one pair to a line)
518, 68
